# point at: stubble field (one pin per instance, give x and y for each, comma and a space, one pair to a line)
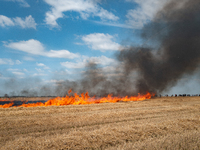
158, 123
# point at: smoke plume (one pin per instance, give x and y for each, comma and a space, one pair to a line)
174, 35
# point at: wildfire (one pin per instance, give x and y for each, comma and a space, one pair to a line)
81, 99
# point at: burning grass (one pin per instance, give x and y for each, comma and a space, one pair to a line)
158, 123
78, 100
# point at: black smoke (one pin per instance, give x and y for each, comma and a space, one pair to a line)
174, 36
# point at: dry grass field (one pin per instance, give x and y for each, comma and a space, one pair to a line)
158, 123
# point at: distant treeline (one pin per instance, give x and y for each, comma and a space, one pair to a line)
176, 95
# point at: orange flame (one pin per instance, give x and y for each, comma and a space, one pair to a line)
81, 99
6, 105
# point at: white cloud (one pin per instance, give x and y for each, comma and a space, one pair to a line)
39, 74
25, 70
18, 73
18, 62
61, 54
114, 24
31, 46
27, 22
36, 48
62, 72
145, 12
101, 41
102, 60
86, 8
106, 15
5, 21
4, 61
73, 65
39, 70
27, 58
22, 3
42, 65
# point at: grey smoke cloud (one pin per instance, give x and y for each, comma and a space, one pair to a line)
175, 31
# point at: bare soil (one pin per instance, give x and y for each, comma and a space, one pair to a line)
158, 123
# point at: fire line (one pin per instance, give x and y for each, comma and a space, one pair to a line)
81, 100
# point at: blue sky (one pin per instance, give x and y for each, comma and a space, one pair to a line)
47, 41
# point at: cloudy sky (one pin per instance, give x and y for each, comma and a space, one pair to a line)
52, 40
